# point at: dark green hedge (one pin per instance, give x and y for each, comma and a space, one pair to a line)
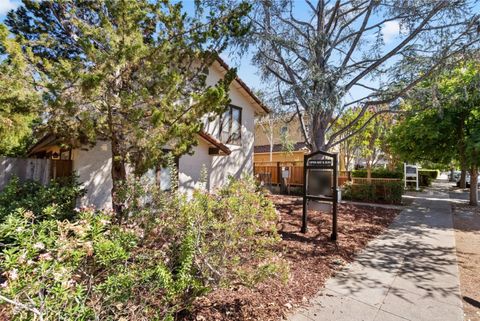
426, 176
378, 192
378, 173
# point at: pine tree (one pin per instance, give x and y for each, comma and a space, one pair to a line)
19, 101
132, 72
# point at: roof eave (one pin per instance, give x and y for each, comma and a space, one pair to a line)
213, 141
245, 87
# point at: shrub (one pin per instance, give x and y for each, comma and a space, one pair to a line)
426, 176
378, 173
168, 250
56, 200
383, 192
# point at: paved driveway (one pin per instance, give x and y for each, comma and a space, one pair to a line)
408, 273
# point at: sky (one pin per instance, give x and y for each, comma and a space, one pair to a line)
246, 70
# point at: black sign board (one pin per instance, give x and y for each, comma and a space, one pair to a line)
320, 163
320, 183
412, 170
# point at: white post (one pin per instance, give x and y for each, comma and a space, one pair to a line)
409, 177
416, 167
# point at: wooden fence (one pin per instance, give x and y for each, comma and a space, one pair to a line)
364, 180
271, 173
36, 169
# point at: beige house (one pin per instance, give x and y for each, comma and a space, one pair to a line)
279, 139
225, 148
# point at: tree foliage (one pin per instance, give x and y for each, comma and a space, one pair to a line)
449, 128
131, 72
315, 61
369, 142
19, 102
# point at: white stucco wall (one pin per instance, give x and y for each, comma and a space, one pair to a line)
240, 161
190, 168
93, 165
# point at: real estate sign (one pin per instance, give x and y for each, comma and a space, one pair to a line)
410, 174
320, 172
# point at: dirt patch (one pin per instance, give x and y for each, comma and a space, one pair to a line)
312, 258
466, 220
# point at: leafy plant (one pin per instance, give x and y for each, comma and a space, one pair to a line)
383, 192
426, 176
56, 200
169, 250
378, 173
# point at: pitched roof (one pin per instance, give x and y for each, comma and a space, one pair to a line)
244, 86
215, 142
279, 148
45, 141
51, 140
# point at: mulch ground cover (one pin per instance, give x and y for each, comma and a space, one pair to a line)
312, 258
466, 220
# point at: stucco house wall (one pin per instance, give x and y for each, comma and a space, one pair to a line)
93, 165
240, 161
190, 168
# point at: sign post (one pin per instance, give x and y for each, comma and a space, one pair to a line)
410, 174
320, 184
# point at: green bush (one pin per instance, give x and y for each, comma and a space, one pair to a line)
382, 192
426, 176
378, 173
168, 250
56, 200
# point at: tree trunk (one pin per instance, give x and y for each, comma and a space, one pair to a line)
369, 171
463, 162
271, 149
463, 176
474, 185
318, 134
119, 175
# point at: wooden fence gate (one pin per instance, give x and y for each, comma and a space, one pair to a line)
36, 169
271, 173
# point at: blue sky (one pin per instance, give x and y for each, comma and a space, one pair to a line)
246, 70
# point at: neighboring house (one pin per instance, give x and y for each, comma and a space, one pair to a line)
279, 139
225, 148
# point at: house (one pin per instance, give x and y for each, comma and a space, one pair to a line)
279, 139
225, 148
279, 150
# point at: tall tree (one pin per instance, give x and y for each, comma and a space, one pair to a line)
19, 101
381, 48
369, 142
132, 72
449, 129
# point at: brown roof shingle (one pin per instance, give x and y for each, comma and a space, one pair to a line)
278, 148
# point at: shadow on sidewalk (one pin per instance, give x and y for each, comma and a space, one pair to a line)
417, 251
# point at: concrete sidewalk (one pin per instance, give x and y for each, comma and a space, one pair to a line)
408, 273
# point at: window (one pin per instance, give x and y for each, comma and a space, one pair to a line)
283, 130
231, 126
